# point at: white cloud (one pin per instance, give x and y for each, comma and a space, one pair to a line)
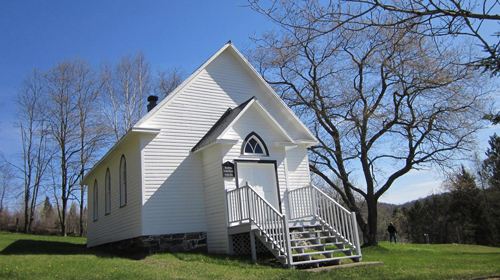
414, 185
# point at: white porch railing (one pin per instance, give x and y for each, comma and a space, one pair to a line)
312, 202
245, 204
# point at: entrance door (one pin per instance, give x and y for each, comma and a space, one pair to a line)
262, 177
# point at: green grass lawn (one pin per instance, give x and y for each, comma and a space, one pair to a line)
43, 257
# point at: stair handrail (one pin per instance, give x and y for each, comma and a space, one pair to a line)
270, 222
311, 201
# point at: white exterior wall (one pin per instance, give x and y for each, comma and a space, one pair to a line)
298, 167
215, 200
174, 197
122, 222
251, 121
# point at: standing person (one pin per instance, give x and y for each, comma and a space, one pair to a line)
392, 233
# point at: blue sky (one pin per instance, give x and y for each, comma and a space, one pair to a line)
38, 34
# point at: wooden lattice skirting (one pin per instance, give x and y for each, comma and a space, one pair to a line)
241, 244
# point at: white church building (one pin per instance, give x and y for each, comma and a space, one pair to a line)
220, 165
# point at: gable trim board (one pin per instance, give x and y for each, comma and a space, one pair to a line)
249, 69
180, 144
230, 117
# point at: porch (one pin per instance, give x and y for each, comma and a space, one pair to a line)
314, 229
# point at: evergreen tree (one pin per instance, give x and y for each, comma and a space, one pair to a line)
492, 162
416, 222
48, 215
468, 210
73, 220
492, 194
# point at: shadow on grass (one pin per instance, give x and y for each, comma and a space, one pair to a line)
264, 259
39, 247
42, 247
479, 253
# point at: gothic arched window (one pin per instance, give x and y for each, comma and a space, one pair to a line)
123, 181
95, 201
254, 145
107, 194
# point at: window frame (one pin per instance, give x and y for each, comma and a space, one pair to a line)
95, 201
259, 141
107, 193
123, 181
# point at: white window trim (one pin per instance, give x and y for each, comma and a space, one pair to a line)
95, 201
107, 187
259, 142
123, 181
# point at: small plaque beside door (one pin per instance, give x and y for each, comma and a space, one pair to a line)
228, 169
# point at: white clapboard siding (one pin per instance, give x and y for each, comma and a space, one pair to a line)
174, 199
122, 222
215, 205
243, 80
252, 121
298, 168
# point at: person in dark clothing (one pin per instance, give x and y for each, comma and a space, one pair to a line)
392, 233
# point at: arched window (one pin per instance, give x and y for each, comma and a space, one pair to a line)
108, 191
95, 201
123, 181
254, 145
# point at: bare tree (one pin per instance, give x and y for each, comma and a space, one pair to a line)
126, 86
444, 18
447, 18
36, 154
381, 101
71, 89
7, 176
92, 132
168, 80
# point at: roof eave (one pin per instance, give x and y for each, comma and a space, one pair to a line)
125, 138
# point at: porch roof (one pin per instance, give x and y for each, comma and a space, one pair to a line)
220, 126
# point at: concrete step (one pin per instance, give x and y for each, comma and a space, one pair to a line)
335, 261
319, 245
311, 238
321, 252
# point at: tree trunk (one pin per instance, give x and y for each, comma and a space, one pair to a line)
26, 214
63, 215
370, 237
81, 210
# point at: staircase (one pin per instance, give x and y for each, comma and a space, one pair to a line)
317, 244
320, 231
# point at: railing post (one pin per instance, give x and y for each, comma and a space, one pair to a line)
288, 209
253, 247
287, 242
313, 202
356, 235
240, 204
248, 204
228, 208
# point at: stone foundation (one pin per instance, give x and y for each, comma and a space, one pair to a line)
167, 243
171, 243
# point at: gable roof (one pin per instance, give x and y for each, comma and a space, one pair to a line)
219, 130
230, 117
229, 47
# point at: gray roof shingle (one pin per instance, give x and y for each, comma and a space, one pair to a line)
224, 121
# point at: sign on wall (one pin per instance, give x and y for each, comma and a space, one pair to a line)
228, 169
